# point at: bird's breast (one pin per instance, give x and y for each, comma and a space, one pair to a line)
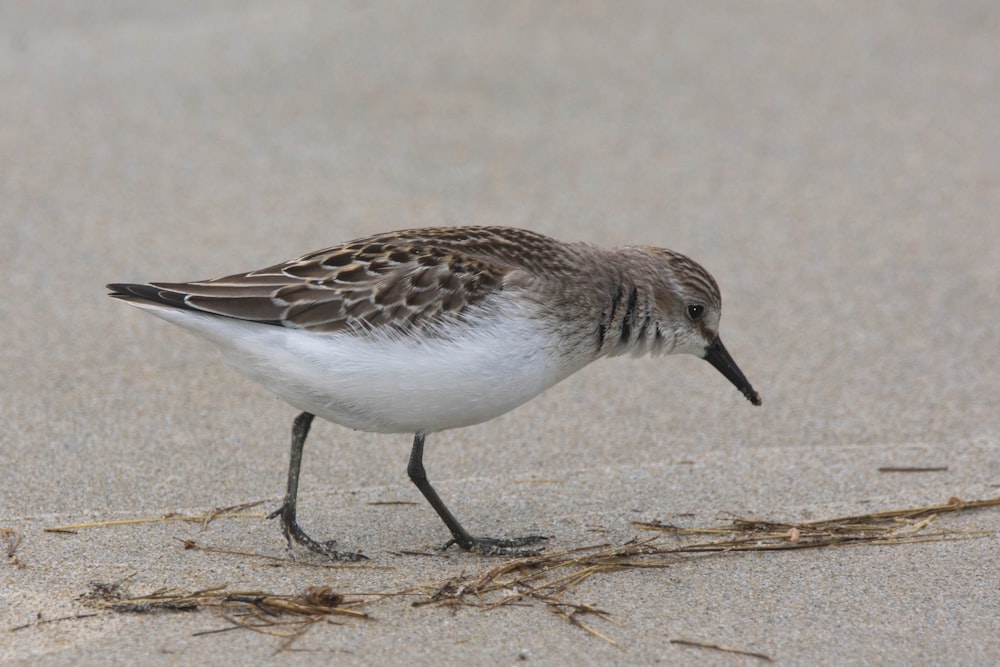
479, 369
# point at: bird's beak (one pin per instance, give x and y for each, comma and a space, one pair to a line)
717, 355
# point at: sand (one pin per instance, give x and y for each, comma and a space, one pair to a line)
834, 165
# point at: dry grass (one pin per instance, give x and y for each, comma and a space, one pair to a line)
233, 512
10, 540
284, 616
545, 580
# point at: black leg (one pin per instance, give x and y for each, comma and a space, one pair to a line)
286, 513
488, 546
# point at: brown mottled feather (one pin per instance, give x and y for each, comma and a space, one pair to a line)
404, 279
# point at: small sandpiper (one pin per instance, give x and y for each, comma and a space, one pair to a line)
422, 330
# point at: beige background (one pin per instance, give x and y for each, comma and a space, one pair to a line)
835, 165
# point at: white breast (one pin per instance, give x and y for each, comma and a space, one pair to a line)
501, 359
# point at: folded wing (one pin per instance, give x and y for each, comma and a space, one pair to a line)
366, 285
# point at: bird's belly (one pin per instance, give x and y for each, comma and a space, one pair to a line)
407, 384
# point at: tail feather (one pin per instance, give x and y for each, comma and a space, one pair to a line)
160, 297
148, 294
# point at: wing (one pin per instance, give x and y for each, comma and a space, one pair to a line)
395, 281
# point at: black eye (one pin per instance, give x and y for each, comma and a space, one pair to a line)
695, 311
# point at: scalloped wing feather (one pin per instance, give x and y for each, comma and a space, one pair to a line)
392, 281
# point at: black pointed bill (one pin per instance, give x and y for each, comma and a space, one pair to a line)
717, 355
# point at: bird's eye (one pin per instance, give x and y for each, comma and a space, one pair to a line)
695, 311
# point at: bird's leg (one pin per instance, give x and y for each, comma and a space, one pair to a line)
488, 546
286, 513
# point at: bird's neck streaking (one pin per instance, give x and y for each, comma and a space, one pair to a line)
609, 291
628, 323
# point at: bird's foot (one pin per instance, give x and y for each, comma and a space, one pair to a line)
290, 529
493, 546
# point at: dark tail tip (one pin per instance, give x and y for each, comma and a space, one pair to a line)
150, 293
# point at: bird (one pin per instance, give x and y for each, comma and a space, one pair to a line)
422, 330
